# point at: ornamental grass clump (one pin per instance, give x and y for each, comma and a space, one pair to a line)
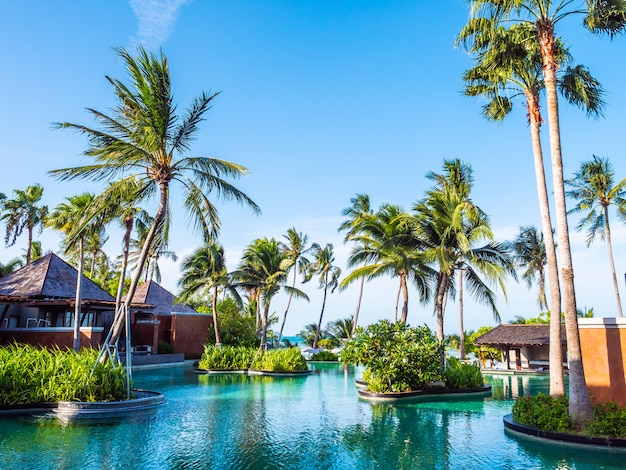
459, 375
280, 360
398, 357
226, 357
29, 375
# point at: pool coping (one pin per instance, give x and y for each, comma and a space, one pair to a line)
552, 437
435, 394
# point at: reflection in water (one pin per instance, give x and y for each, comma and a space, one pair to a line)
314, 422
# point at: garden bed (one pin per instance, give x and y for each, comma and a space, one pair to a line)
426, 395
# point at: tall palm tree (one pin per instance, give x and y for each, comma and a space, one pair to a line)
356, 213
66, 218
145, 140
328, 273
295, 250
543, 16
205, 271
529, 253
594, 190
387, 245
23, 212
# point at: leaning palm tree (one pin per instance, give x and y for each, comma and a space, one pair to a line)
205, 272
23, 212
356, 213
328, 273
295, 250
601, 16
594, 190
65, 217
145, 140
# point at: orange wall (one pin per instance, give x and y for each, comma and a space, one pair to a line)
188, 333
603, 346
49, 337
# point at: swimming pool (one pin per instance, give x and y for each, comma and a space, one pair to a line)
313, 422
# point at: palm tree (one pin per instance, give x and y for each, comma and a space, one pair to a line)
356, 213
145, 141
205, 271
342, 329
328, 273
387, 245
529, 252
66, 218
594, 190
543, 16
295, 250
23, 212
10, 266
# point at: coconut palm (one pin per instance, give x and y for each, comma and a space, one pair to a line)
10, 266
543, 16
356, 213
593, 188
341, 329
205, 272
322, 266
23, 212
295, 250
145, 140
387, 245
65, 217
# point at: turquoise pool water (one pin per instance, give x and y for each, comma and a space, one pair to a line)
314, 422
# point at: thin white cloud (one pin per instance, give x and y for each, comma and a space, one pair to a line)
156, 20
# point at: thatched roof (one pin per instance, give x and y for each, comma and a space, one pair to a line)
517, 336
163, 300
49, 278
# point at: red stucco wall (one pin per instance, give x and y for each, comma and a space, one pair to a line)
603, 346
189, 333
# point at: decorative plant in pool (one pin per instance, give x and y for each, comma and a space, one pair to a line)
226, 357
398, 357
29, 375
280, 360
462, 375
325, 356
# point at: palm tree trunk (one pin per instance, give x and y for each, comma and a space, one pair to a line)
218, 340
358, 309
129, 222
461, 327
264, 317
282, 326
443, 287
557, 386
319, 324
29, 248
395, 316
580, 409
405, 296
612, 262
79, 288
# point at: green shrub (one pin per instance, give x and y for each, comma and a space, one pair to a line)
325, 356
398, 357
226, 357
462, 375
609, 419
32, 375
543, 412
325, 343
165, 348
280, 360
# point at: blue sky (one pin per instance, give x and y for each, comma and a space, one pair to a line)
321, 100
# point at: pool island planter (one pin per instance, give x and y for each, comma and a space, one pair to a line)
220, 371
552, 437
144, 399
273, 373
426, 395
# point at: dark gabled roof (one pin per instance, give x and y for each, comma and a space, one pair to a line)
50, 278
517, 335
163, 300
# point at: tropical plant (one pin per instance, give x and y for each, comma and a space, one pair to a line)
483, 352
144, 141
10, 266
295, 250
23, 212
328, 276
356, 213
593, 188
236, 328
226, 357
325, 356
542, 16
462, 375
341, 329
309, 332
280, 360
398, 357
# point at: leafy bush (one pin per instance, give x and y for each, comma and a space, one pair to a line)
398, 357
226, 357
609, 419
324, 356
325, 343
543, 412
462, 375
236, 328
280, 360
31, 375
165, 348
